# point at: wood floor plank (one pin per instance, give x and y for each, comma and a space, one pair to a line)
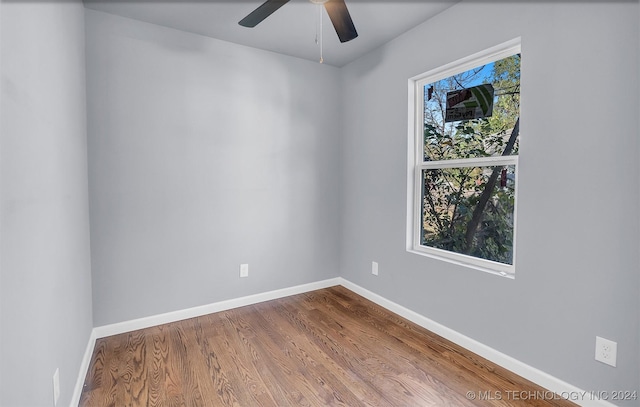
323, 387
345, 356
158, 356
343, 384
242, 361
410, 364
380, 364
209, 372
329, 347
276, 363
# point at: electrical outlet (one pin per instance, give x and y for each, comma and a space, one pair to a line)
374, 268
244, 270
56, 386
606, 351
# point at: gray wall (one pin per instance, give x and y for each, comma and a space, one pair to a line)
45, 291
204, 155
578, 199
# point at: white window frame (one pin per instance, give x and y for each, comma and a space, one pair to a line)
416, 164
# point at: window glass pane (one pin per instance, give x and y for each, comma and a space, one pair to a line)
473, 113
470, 211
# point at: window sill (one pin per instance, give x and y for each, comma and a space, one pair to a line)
508, 271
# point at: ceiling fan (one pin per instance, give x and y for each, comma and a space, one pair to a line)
337, 10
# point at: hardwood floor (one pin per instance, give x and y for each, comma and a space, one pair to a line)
329, 347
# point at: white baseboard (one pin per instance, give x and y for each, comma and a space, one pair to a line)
561, 388
146, 322
84, 368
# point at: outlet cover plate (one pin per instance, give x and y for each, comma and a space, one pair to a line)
244, 270
606, 351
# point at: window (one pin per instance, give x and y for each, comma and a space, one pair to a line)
463, 160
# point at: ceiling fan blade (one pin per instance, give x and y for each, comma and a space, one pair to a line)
265, 10
341, 20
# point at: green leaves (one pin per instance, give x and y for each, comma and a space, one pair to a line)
449, 199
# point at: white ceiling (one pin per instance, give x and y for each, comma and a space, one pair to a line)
291, 30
